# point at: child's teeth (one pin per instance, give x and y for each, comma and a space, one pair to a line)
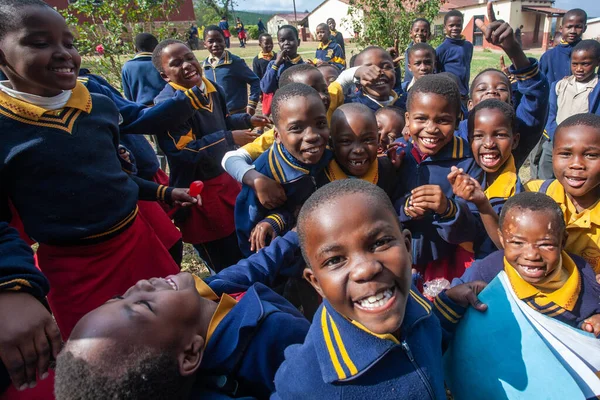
377, 300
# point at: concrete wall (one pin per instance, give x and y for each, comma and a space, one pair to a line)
332, 9
592, 31
273, 25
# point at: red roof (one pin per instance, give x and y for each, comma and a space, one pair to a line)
452, 4
545, 10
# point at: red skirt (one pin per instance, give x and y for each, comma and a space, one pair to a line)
267, 99
160, 222
214, 219
84, 277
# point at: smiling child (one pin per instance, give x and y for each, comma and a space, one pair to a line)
390, 125
420, 32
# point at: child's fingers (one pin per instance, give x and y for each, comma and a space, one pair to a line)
481, 25
490, 12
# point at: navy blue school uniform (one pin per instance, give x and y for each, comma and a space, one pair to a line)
298, 181
337, 37
260, 62
270, 81
234, 76
436, 236
454, 56
397, 99
341, 359
141, 81
331, 53
555, 64
574, 302
407, 74
531, 110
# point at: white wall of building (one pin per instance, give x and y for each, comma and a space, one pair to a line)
593, 29
274, 23
332, 9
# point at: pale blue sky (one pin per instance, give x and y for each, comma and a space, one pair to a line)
592, 7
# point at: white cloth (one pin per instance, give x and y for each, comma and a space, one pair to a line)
48, 103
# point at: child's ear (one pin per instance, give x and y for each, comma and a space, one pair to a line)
2, 58
189, 360
309, 275
408, 241
501, 238
276, 135
516, 138
406, 118
564, 240
165, 77
469, 104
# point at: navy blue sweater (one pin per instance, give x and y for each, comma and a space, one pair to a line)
260, 62
234, 76
454, 56
270, 81
555, 64
141, 81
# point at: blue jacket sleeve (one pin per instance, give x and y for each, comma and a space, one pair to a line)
449, 313
552, 110
338, 58
235, 121
125, 84
18, 272
246, 75
280, 220
281, 257
268, 83
458, 224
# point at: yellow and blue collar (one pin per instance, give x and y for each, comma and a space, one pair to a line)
226, 303
142, 54
207, 89
322, 46
505, 184
334, 172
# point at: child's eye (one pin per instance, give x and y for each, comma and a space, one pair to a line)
144, 302
592, 156
322, 124
40, 45
382, 244
333, 261
564, 154
369, 140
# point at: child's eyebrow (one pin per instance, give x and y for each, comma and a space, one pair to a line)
329, 249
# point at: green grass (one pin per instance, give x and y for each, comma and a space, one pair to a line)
485, 59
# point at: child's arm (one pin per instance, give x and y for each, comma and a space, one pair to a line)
251, 79
269, 81
275, 224
552, 111
338, 59
125, 84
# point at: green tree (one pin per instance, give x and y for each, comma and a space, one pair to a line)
114, 24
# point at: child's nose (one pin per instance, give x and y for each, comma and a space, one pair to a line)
365, 270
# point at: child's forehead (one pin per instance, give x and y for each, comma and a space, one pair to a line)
30, 18
455, 19
574, 19
375, 56
491, 76
485, 113
577, 135
421, 53
214, 35
420, 25
286, 33
518, 218
582, 54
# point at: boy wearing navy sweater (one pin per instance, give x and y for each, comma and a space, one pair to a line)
231, 73
260, 62
288, 39
328, 50
420, 32
455, 53
375, 336
336, 36
141, 81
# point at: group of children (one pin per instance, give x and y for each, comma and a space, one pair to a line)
345, 241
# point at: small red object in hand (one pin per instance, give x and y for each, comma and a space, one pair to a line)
196, 188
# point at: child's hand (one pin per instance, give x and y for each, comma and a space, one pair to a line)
260, 120
429, 197
598, 278
415, 212
395, 157
258, 237
270, 193
592, 325
498, 33
368, 74
466, 294
29, 338
281, 56
394, 50
250, 110
466, 187
503, 66
243, 137
181, 197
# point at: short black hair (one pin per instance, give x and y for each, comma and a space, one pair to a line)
589, 45
577, 12
492, 104
212, 28
322, 24
453, 13
287, 76
10, 13
537, 202
146, 42
264, 35
330, 19
416, 20
328, 65
352, 60
351, 108
141, 375
290, 91
334, 190
157, 53
420, 47
585, 119
290, 27
437, 84
472, 88
393, 109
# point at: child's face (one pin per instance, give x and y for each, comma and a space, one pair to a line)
315, 79
572, 28
454, 27
390, 126
532, 243
323, 34
490, 85
331, 24
302, 128
124, 154
421, 63
180, 66
583, 65
215, 43
288, 41
330, 73
360, 261
493, 139
39, 57
382, 88
355, 143
266, 44
419, 33
576, 162
431, 120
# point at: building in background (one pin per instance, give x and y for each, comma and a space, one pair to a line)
593, 29
336, 9
300, 21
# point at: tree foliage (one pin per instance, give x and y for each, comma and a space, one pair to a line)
380, 22
114, 24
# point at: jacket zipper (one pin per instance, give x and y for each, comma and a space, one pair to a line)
409, 354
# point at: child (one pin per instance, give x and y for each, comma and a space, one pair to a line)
194, 151
420, 32
239, 26
297, 156
541, 272
231, 73
328, 51
575, 94
424, 198
288, 39
92, 245
390, 125
492, 137
224, 26
374, 336
555, 63
260, 62
141, 81
455, 53
576, 164
330, 73
336, 36
218, 338
420, 60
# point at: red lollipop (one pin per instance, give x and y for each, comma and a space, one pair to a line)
196, 188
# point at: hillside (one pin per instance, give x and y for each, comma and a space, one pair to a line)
251, 17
